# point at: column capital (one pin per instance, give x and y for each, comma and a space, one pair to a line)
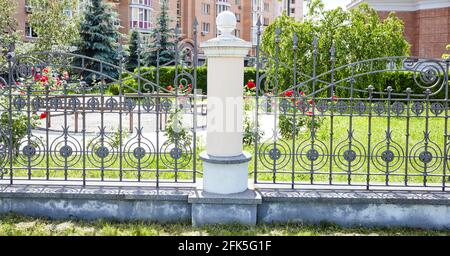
226, 45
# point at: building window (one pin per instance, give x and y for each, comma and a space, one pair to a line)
266, 21
140, 11
237, 2
237, 33
293, 10
29, 32
266, 7
206, 8
222, 5
238, 17
205, 28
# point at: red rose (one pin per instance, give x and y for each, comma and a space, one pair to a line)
169, 88
37, 77
190, 85
43, 115
309, 113
251, 84
45, 70
302, 93
181, 86
335, 98
44, 79
311, 102
289, 93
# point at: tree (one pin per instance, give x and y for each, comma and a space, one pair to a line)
133, 48
358, 34
163, 38
99, 37
8, 26
445, 55
56, 23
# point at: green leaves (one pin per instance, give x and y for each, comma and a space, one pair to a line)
358, 34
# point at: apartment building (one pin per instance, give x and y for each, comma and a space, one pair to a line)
142, 15
427, 23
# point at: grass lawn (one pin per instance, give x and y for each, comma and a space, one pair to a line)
13, 225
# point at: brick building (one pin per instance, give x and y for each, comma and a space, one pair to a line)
142, 15
427, 23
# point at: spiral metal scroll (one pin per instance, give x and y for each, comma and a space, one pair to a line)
427, 74
388, 155
101, 152
350, 154
426, 156
275, 154
31, 151
66, 150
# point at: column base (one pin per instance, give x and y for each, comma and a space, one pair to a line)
209, 208
225, 175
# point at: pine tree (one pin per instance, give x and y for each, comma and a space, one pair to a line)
99, 37
133, 47
163, 37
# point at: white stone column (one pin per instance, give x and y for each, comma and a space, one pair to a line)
225, 165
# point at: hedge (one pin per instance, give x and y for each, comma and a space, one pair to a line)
167, 76
399, 81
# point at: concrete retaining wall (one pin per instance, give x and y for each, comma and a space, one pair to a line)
347, 208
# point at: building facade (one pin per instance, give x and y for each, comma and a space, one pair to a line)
142, 15
427, 23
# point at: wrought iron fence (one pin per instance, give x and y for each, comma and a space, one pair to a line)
60, 123
327, 130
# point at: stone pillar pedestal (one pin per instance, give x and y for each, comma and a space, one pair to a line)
224, 196
225, 164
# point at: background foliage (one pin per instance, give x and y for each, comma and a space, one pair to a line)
54, 26
358, 34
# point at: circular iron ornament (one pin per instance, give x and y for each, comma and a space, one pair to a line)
24, 70
101, 153
55, 103
285, 105
398, 108
427, 75
273, 154
139, 152
74, 104
360, 107
387, 157
322, 106
93, 104
166, 105
437, 108
32, 152
65, 151
426, 157
312, 156
111, 104
129, 105
303, 106
29, 151
341, 107
379, 108
19, 103
36, 103
417, 108
148, 104
176, 155
350, 157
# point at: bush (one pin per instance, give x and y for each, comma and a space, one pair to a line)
167, 77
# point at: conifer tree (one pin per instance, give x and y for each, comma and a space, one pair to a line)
163, 37
99, 36
133, 48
